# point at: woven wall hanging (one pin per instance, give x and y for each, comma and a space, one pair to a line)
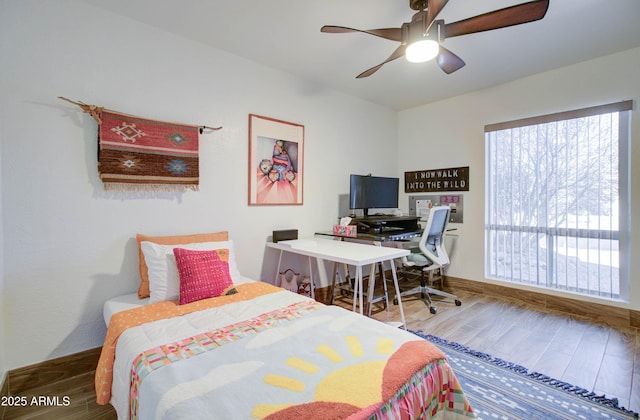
139, 154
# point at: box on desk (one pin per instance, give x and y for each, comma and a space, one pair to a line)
349, 230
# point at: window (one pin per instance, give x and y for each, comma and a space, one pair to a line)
557, 201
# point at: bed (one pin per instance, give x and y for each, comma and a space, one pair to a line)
258, 351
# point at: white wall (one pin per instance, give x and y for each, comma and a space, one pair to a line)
69, 246
450, 133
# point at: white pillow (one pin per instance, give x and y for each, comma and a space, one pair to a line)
164, 280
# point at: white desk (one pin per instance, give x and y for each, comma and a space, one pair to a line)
358, 255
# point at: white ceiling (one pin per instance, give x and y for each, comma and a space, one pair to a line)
285, 34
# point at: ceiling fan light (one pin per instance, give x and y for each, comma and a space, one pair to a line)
421, 51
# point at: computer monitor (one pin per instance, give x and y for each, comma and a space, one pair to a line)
369, 192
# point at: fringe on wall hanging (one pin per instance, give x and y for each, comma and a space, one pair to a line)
139, 154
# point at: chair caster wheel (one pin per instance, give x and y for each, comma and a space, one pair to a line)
458, 303
395, 301
433, 310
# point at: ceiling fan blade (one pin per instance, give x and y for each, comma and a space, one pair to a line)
448, 61
392, 34
399, 52
509, 16
434, 9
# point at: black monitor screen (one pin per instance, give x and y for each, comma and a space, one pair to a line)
368, 192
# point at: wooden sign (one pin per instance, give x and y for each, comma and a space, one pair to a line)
436, 180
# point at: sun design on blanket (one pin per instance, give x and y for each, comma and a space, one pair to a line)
349, 389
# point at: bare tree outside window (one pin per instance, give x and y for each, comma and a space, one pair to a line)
553, 204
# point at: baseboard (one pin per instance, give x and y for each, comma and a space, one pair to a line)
591, 311
23, 379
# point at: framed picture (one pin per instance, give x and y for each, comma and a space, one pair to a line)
276, 162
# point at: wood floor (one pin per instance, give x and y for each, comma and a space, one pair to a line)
596, 357
599, 358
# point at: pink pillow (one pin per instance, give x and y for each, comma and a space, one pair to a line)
203, 274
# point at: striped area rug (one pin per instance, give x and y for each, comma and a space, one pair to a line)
498, 389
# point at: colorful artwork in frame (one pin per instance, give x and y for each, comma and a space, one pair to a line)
276, 162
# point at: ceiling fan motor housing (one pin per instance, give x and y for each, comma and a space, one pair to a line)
417, 29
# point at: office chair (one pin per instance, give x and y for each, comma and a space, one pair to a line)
431, 258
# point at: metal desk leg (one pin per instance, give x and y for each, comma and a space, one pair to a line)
277, 281
343, 281
371, 291
332, 289
357, 294
372, 285
384, 284
312, 284
395, 283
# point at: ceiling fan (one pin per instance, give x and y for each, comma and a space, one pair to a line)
421, 39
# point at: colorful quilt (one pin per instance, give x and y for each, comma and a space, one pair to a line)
122, 321
299, 359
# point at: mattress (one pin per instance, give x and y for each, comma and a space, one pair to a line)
121, 303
